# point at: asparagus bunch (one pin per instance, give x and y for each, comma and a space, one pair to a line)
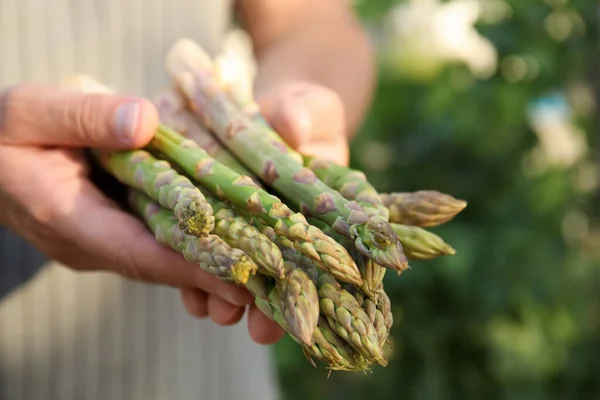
311, 240
249, 141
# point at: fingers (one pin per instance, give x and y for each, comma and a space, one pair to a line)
49, 116
201, 305
309, 117
262, 330
224, 313
195, 302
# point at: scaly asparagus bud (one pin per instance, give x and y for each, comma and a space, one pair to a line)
349, 320
424, 208
379, 312
299, 303
420, 244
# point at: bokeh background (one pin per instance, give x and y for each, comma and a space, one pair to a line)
494, 102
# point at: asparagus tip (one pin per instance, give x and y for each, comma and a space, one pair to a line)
243, 269
380, 242
197, 219
186, 56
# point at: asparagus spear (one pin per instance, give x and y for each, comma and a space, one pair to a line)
249, 107
351, 183
299, 303
349, 320
211, 253
420, 244
172, 112
243, 192
293, 305
191, 69
424, 208
138, 169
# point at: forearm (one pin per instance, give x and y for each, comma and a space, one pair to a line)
336, 54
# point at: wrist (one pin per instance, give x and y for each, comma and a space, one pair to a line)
341, 61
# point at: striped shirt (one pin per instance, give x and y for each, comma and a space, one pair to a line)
67, 335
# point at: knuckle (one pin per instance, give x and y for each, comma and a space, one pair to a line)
127, 265
82, 115
47, 213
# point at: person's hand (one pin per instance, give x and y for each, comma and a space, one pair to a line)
47, 198
309, 117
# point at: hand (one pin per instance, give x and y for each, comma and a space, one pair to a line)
309, 117
47, 198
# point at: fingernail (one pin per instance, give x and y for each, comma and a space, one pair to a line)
126, 120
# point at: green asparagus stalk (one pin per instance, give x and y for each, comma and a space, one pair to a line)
424, 208
420, 244
156, 178
244, 193
211, 253
172, 111
250, 108
192, 71
351, 183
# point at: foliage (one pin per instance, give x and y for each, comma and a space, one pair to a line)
515, 314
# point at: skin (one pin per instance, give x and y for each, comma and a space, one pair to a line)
314, 84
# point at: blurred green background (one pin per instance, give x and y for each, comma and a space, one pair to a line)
494, 102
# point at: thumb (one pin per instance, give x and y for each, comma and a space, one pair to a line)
50, 116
